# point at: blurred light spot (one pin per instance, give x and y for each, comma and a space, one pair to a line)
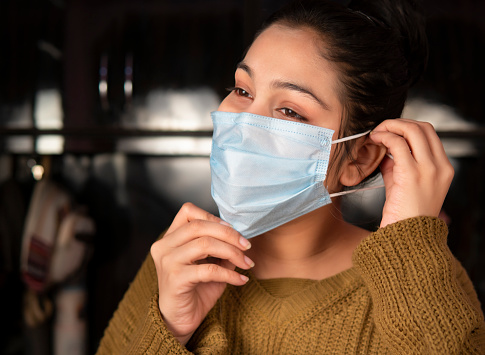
442, 117
48, 112
187, 109
103, 87
37, 172
50, 144
167, 146
128, 88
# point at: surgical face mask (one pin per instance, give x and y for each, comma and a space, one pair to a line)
268, 171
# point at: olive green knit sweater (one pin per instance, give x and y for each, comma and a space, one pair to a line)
405, 294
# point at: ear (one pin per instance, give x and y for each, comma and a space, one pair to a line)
367, 156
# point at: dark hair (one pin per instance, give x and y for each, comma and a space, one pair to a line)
379, 48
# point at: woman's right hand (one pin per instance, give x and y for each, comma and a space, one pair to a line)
188, 284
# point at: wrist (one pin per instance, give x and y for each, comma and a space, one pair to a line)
181, 338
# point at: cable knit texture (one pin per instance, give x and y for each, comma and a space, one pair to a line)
405, 294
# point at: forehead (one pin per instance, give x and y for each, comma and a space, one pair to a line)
289, 45
281, 34
293, 55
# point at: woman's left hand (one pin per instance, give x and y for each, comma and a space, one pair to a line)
418, 177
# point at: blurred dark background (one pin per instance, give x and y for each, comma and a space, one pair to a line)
110, 100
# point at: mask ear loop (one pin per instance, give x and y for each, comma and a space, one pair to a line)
336, 194
355, 136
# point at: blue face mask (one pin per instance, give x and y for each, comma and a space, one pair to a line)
268, 171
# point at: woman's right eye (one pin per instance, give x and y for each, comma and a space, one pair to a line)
240, 92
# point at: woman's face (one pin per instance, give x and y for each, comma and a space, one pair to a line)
284, 76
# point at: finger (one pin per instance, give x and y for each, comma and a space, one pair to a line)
202, 248
413, 133
445, 170
434, 141
386, 168
189, 212
397, 146
202, 228
222, 262
214, 273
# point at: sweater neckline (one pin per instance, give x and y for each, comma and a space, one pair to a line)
312, 295
285, 287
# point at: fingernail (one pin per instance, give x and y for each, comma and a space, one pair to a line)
244, 242
244, 278
248, 261
225, 223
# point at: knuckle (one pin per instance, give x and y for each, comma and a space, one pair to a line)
235, 254
403, 142
227, 233
207, 272
449, 172
204, 243
211, 269
187, 207
195, 225
156, 250
414, 128
428, 126
398, 142
161, 259
209, 216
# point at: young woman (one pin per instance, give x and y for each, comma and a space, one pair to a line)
308, 282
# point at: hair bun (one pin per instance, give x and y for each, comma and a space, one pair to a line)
406, 18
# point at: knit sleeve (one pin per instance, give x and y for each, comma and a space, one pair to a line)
423, 301
137, 326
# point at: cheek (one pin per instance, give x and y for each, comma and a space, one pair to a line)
333, 171
226, 105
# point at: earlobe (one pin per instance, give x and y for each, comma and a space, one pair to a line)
367, 157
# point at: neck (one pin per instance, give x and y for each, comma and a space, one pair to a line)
314, 246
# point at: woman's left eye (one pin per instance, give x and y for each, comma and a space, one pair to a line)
288, 112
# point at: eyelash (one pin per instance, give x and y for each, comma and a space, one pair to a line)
293, 115
236, 89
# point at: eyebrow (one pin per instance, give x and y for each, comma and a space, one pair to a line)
287, 85
246, 68
300, 89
